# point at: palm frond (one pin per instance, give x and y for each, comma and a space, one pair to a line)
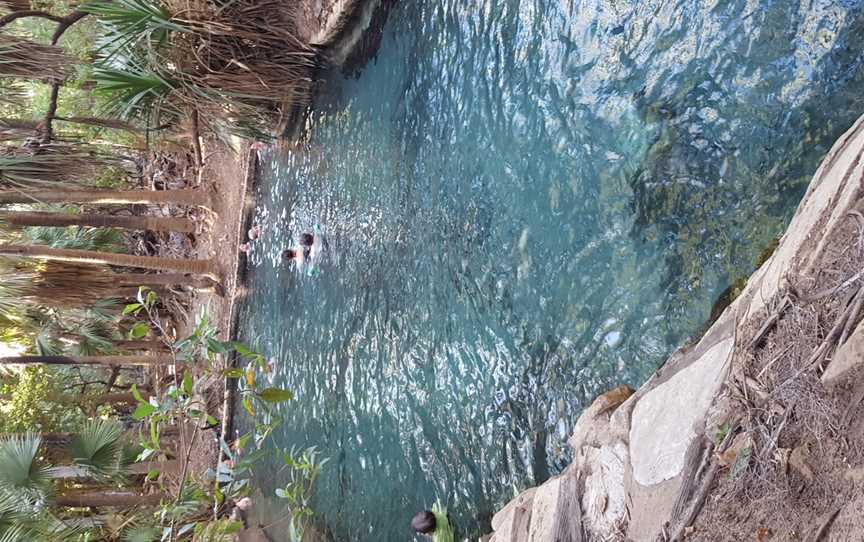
142, 534
20, 471
133, 91
98, 447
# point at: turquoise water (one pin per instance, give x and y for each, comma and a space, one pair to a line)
526, 203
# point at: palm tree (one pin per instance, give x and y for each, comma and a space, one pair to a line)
107, 197
155, 359
62, 220
197, 267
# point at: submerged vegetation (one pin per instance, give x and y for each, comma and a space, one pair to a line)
101, 406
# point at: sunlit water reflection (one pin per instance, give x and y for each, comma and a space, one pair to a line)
526, 203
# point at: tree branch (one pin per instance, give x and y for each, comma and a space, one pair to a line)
63, 25
15, 15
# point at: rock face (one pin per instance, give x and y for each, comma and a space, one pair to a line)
636, 454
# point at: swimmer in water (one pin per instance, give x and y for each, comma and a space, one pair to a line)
303, 253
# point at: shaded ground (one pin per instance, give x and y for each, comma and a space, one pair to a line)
795, 468
224, 176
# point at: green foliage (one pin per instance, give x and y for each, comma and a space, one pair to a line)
303, 468
134, 91
97, 446
181, 404
76, 237
33, 405
132, 25
20, 472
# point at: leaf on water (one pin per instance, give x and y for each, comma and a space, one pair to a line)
276, 395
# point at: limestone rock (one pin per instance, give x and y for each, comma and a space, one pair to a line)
604, 500
555, 512
849, 357
590, 426
511, 524
665, 419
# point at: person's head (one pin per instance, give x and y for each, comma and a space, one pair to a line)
307, 239
424, 522
289, 254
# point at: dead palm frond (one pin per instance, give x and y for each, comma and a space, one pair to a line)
17, 129
15, 5
20, 57
47, 165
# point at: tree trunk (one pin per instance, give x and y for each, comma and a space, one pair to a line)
199, 267
164, 279
107, 197
107, 498
156, 359
60, 220
149, 346
76, 472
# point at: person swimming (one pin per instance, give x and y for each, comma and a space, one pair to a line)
303, 253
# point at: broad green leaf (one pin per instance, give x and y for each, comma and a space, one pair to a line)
276, 395
139, 331
187, 383
133, 308
137, 394
143, 410
243, 350
235, 372
153, 474
247, 405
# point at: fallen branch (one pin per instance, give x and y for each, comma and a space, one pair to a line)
852, 320
836, 332
828, 292
770, 323
823, 528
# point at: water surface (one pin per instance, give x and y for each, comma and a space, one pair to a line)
526, 203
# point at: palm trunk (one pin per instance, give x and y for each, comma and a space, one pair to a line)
156, 359
61, 220
107, 498
106, 197
164, 279
198, 267
75, 472
148, 346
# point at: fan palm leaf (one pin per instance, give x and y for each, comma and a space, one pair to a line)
20, 472
99, 448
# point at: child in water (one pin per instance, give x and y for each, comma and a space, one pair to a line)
434, 524
303, 253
